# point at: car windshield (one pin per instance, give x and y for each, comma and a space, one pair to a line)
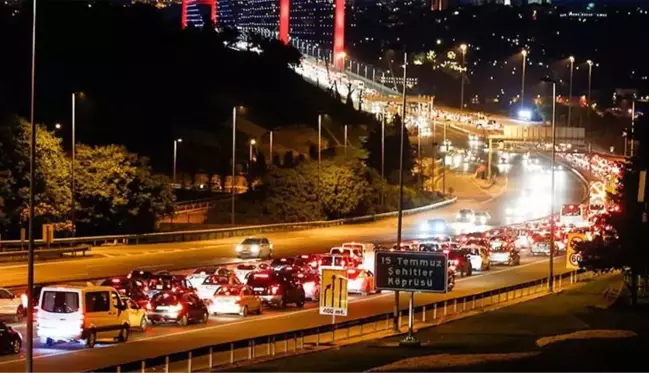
246, 267
60, 301
165, 299
465, 212
228, 291
251, 241
340, 251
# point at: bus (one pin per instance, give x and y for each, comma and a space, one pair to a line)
573, 214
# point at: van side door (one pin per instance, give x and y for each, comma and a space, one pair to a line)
98, 313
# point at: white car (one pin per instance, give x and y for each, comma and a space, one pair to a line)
200, 274
12, 305
466, 216
255, 247
213, 283
478, 257
242, 271
310, 283
360, 281
482, 217
238, 299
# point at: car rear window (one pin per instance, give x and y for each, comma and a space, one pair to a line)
205, 270
216, 280
165, 299
60, 301
226, 291
282, 262
261, 279
246, 267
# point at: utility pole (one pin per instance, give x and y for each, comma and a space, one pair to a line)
552, 217
271, 147
234, 160
400, 213
345, 141
73, 213
29, 338
632, 128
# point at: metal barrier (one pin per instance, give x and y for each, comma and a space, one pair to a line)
42, 253
212, 234
230, 352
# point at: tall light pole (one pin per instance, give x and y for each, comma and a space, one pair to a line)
234, 162
400, 212
271, 147
572, 65
176, 156
463, 48
29, 359
590, 76
524, 54
419, 155
552, 217
345, 140
73, 214
319, 148
632, 127
252, 143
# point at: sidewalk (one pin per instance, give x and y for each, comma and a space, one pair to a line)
508, 339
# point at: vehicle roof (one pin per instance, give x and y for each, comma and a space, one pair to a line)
81, 287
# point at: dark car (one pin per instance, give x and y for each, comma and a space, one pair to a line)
174, 283
177, 307
459, 260
132, 288
277, 288
10, 340
310, 259
141, 275
505, 254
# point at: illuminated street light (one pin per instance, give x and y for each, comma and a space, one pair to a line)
252, 143
552, 222
175, 156
590, 76
524, 54
463, 48
572, 65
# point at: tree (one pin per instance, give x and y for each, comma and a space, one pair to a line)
52, 185
345, 190
373, 146
279, 53
116, 191
289, 160
289, 196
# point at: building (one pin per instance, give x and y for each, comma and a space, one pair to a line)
439, 5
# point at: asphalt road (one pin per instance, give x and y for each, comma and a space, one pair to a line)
166, 339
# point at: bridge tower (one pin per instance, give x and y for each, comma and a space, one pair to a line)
339, 33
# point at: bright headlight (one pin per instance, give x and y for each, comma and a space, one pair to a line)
424, 227
254, 248
239, 248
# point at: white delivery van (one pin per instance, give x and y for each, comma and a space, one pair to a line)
81, 312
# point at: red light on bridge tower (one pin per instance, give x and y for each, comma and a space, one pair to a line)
339, 33
284, 10
183, 14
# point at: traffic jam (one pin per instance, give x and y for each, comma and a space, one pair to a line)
112, 308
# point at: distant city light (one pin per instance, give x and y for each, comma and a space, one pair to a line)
525, 114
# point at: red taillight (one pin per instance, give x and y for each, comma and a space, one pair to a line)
148, 306
446, 251
129, 275
314, 264
237, 299
342, 263
274, 289
351, 271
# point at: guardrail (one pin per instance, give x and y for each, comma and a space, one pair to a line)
19, 253
231, 352
213, 234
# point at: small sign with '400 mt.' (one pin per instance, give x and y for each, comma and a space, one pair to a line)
411, 271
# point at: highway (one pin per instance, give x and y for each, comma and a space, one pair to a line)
164, 339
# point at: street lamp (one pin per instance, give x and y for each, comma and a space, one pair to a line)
252, 143
176, 156
463, 48
524, 54
57, 126
572, 65
590, 76
234, 162
29, 338
552, 220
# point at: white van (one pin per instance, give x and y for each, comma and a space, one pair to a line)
83, 312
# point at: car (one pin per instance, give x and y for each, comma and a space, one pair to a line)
279, 264
478, 257
435, 227
12, 306
466, 216
333, 262
360, 281
243, 270
277, 289
129, 287
255, 247
239, 299
353, 255
141, 275
81, 312
167, 282
310, 283
200, 274
460, 261
136, 314
363, 247
482, 217
541, 247
11, 341
212, 283
311, 260
181, 307
505, 254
